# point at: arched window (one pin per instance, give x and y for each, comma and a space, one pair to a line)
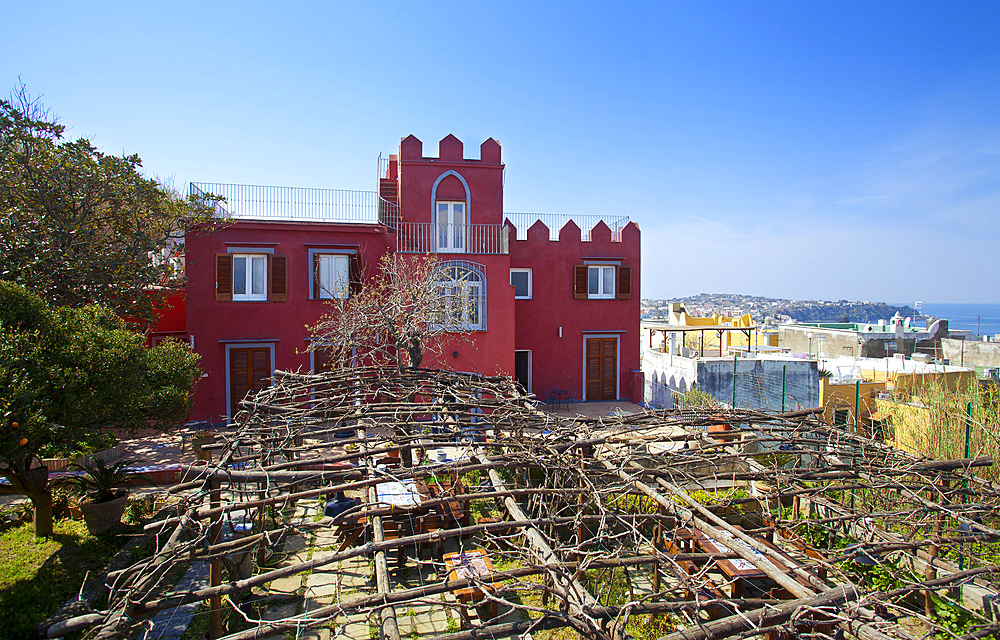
461, 287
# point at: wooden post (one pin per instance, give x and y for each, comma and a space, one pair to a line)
261, 523
657, 542
388, 625
215, 630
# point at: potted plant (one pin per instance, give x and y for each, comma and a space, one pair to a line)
200, 439
105, 500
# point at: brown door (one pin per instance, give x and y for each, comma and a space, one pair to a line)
249, 370
602, 368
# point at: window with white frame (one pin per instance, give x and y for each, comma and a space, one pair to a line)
520, 279
461, 290
451, 225
601, 281
249, 276
331, 276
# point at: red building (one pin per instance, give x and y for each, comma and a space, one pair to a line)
554, 303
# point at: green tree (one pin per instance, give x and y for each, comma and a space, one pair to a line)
78, 226
68, 373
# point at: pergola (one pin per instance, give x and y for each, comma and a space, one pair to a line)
700, 329
642, 525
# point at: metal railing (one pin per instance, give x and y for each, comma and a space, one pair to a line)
388, 213
383, 167
254, 202
556, 221
428, 237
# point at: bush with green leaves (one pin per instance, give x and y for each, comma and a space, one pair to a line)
66, 374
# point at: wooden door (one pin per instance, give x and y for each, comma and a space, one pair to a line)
602, 368
249, 370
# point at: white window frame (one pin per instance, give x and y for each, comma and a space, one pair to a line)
467, 290
601, 292
527, 271
451, 225
248, 294
342, 289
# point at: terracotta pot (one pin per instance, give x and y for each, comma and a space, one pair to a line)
102, 516
197, 445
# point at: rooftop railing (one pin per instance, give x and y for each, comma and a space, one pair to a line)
556, 221
303, 204
297, 204
428, 237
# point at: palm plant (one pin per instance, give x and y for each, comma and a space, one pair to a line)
100, 481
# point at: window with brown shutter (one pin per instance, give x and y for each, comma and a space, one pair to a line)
315, 278
624, 283
223, 277
279, 279
580, 282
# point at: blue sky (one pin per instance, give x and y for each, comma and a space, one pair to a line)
788, 149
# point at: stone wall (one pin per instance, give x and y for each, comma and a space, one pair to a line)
968, 353
759, 381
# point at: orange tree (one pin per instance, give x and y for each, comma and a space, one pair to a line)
68, 373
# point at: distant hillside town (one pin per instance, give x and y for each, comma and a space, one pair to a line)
777, 311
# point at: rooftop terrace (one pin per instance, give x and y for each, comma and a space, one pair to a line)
306, 204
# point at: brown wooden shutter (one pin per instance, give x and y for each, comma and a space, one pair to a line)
580, 281
354, 272
624, 291
314, 278
279, 279
223, 277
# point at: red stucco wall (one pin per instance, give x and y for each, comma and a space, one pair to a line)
170, 315
511, 324
558, 362
283, 323
418, 173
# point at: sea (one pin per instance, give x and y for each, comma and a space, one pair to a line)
980, 319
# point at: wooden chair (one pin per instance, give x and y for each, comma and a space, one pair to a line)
349, 532
431, 523
394, 530
455, 513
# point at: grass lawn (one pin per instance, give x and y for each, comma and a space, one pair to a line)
37, 574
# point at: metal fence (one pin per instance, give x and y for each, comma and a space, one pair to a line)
255, 202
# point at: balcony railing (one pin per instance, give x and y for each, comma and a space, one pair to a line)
428, 237
556, 221
300, 204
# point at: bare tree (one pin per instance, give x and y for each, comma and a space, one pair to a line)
411, 307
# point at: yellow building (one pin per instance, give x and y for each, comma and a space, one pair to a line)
951, 379
916, 406
842, 400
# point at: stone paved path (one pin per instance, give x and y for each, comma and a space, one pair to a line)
170, 624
